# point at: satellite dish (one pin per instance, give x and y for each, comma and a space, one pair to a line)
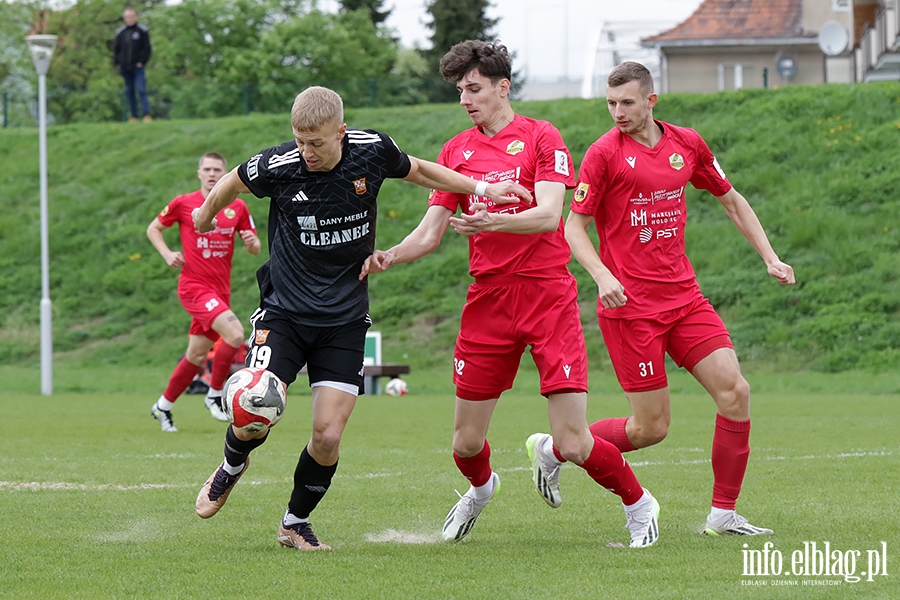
833, 38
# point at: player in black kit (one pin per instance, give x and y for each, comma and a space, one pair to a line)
313, 307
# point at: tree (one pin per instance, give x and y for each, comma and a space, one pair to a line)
374, 8
348, 55
454, 21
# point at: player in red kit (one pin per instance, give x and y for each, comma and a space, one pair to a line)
523, 295
204, 287
631, 185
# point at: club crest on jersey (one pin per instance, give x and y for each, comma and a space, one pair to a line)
229, 213
261, 336
360, 186
581, 192
515, 147
467, 154
676, 161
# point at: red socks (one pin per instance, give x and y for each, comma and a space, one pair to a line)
730, 452
608, 467
477, 469
180, 379
613, 431
221, 367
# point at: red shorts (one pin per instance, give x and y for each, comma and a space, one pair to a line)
204, 305
637, 347
501, 319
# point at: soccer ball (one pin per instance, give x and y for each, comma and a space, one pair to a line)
254, 399
396, 387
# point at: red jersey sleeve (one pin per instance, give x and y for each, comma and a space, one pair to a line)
708, 175
448, 200
245, 219
592, 180
168, 216
554, 163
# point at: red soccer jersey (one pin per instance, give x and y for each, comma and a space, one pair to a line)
207, 256
526, 150
636, 196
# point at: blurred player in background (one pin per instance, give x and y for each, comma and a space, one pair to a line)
523, 295
204, 287
631, 185
313, 309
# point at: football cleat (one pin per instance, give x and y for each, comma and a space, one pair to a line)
643, 521
545, 470
215, 491
299, 536
214, 405
462, 516
734, 524
164, 417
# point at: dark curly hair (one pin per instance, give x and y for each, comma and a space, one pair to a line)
490, 58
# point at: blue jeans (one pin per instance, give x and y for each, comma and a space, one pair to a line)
136, 83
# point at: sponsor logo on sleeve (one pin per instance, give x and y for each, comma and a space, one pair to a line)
253, 167
515, 147
561, 162
165, 211
581, 192
229, 213
359, 185
676, 161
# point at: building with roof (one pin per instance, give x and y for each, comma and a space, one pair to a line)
733, 44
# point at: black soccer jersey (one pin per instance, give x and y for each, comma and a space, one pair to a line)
321, 225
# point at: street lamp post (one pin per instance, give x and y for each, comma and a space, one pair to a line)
42, 47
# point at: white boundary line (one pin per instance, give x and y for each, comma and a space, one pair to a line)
65, 486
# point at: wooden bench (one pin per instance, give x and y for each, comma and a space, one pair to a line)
373, 374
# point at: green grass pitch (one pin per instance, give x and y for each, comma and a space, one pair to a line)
96, 502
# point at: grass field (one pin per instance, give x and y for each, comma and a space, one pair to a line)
96, 502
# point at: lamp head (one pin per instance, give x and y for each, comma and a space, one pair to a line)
41, 48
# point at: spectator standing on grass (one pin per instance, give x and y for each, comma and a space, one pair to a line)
631, 185
204, 287
523, 295
132, 51
313, 309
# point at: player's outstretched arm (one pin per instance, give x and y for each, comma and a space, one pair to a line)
226, 190
744, 218
434, 176
425, 238
609, 290
155, 235
542, 218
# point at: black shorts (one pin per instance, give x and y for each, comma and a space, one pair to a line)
330, 353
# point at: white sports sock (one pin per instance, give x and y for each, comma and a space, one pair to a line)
645, 500
233, 470
163, 404
547, 449
290, 519
719, 515
484, 491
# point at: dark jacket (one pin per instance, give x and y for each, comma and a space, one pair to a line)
132, 46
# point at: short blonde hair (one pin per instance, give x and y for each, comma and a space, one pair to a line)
316, 107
